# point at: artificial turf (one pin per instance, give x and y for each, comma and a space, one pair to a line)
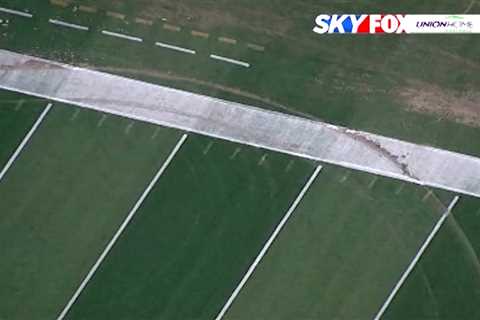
348, 81
195, 235
445, 284
17, 114
342, 252
62, 200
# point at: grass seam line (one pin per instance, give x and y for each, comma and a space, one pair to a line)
269, 243
122, 227
417, 257
25, 140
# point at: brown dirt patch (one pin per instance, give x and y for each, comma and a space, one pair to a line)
462, 107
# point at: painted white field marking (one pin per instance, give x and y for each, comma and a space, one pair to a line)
200, 34
399, 189
155, 133
269, 243
237, 62
262, 159
24, 141
227, 40
416, 258
68, 25
373, 182
16, 12
115, 15
122, 227
235, 153
176, 48
427, 195
470, 6
102, 120
345, 177
207, 148
129, 127
75, 114
121, 35
171, 27
255, 47
87, 9
60, 3
146, 22
19, 105
289, 165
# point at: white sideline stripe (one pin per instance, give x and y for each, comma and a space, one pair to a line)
416, 258
176, 48
16, 12
237, 62
268, 243
122, 227
25, 141
121, 35
68, 25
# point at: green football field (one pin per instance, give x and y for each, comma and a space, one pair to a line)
62, 200
195, 236
203, 224
446, 283
342, 251
17, 115
208, 216
103, 217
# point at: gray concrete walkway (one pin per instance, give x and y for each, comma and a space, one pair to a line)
240, 123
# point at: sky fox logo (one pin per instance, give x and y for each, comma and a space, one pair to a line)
364, 23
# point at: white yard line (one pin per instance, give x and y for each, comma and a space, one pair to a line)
237, 62
176, 48
16, 12
25, 141
68, 25
416, 258
121, 35
268, 243
122, 227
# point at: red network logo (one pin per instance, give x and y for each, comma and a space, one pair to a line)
365, 23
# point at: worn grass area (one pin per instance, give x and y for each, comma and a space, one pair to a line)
17, 114
342, 251
62, 200
356, 81
196, 234
446, 283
